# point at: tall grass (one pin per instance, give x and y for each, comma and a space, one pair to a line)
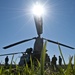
40, 69
61, 53
43, 59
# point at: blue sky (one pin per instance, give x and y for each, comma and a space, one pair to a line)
17, 23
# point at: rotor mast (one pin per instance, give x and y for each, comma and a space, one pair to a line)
38, 45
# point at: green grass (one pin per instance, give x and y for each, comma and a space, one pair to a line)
40, 69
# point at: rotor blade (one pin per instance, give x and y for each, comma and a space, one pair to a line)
11, 45
11, 54
59, 43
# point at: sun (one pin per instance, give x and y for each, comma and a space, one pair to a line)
38, 9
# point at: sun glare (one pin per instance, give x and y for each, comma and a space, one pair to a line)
38, 9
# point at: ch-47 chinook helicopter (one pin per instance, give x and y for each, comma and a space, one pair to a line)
38, 45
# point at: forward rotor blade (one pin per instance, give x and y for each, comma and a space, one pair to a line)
11, 54
59, 43
11, 45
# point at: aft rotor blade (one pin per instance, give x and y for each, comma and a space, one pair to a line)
11, 54
11, 45
59, 43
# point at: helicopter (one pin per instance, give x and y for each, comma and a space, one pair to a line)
38, 44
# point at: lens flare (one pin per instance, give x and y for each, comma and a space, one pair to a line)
38, 9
